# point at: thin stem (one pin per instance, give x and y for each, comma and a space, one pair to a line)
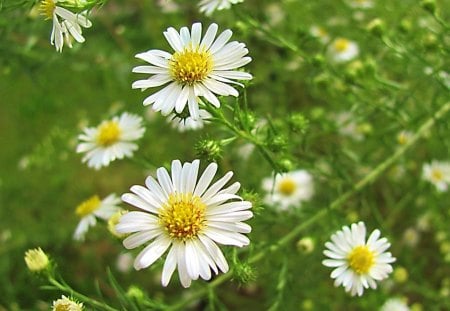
368, 179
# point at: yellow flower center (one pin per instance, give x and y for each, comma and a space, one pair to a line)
341, 45
437, 175
191, 65
361, 259
287, 186
183, 216
47, 7
88, 206
108, 133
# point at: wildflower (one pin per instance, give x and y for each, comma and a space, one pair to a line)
111, 140
394, 304
124, 262
289, 189
209, 6
342, 50
168, 6
437, 173
319, 33
36, 259
306, 245
404, 137
113, 221
199, 67
347, 126
66, 304
188, 123
361, 4
94, 208
188, 217
65, 24
358, 264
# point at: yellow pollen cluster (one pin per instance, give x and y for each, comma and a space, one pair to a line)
437, 175
47, 7
287, 186
361, 259
88, 206
341, 45
108, 133
191, 65
183, 215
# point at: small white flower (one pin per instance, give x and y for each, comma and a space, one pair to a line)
199, 67
94, 208
361, 4
404, 137
111, 140
209, 6
437, 173
394, 304
66, 304
320, 33
188, 123
347, 126
358, 264
187, 216
65, 24
342, 50
289, 189
168, 6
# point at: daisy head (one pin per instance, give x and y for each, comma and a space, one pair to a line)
288, 189
111, 140
209, 6
187, 123
198, 67
93, 208
188, 216
66, 304
66, 24
358, 263
437, 173
342, 50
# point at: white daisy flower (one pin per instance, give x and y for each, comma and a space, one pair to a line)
199, 67
209, 6
342, 50
111, 140
288, 189
65, 24
319, 33
65, 303
186, 216
358, 264
188, 123
437, 173
361, 4
94, 208
394, 304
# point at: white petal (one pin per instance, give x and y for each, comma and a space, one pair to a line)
152, 252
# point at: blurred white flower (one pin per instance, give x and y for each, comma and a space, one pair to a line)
187, 217
361, 4
168, 6
394, 304
319, 33
347, 126
198, 68
437, 173
209, 6
275, 14
289, 189
94, 208
65, 24
124, 262
66, 304
358, 264
342, 50
188, 123
404, 137
111, 140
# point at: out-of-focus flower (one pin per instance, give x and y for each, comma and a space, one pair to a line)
342, 50
111, 140
358, 263
361, 4
289, 189
209, 6
168, 6
65, 24
437, 173
403, 137
36, 259
319, 33
395, 304
113, 221
66, 304
198, 68
124, 262
188, 217
348, 126
92, 209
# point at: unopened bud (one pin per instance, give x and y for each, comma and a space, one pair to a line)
36, 260
376, 27
429, 5
209, 150
306, 245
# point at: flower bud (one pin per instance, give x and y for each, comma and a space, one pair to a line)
306, 245
429, 5
376, 27
285, 165
277, 143
244, 273
400, 275
36, 260
113, 221
209, 150
298, 123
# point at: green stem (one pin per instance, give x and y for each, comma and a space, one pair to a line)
368, 179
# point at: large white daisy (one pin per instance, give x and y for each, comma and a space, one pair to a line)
187, 216
358, 264
65, 24
288, 189
199, 67
94, 208
112, 139
209, 6
437, 173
